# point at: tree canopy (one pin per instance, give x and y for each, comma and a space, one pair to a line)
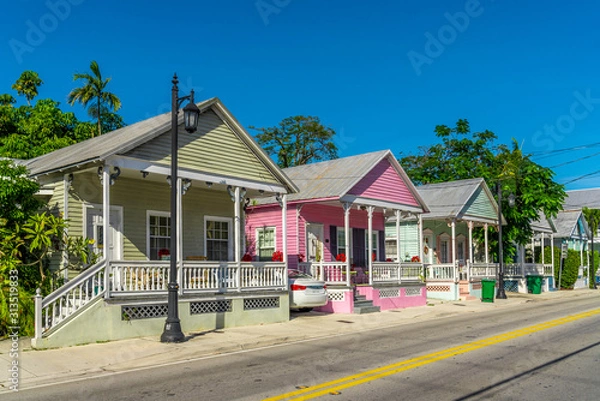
298, 140
27, 85
94, 95
34, 129
464, 154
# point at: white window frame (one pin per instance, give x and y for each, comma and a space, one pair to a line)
257, 236
341, 249
445, 251
156, 213
375, 247
228, 220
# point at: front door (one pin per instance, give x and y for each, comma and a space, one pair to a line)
314, 242
95, 230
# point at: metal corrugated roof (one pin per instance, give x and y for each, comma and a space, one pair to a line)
566, 223
98, 148
334, 178
448, 199
577, 199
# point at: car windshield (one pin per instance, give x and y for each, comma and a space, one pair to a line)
298, 274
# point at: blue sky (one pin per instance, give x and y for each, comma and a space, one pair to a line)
382, 74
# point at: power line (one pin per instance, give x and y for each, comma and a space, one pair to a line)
582, 177
548, 153
576, 160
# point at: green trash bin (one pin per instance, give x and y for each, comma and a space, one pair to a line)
534, 284
488, 287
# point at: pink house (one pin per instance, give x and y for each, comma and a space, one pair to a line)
340, 204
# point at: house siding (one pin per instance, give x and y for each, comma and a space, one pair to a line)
137, 197
214, 148
480, 206
384, 183
296, 226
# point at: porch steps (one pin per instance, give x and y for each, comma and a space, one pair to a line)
362, 305
463, 290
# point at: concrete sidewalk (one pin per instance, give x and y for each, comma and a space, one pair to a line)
40, 367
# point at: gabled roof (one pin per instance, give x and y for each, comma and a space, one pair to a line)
567, 222
452, 199
577, 199
334, 179
543, 224
125, 139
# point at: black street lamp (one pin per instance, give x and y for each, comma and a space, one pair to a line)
172, 331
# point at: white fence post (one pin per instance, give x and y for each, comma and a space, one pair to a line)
38, 313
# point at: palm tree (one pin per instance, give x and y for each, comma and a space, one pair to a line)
27, 85
94, 94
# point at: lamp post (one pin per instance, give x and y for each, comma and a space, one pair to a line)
500, 294
172, 331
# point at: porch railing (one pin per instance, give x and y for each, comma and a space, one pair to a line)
481, 270
394, 272
442, 272
331, 272
68, 299
527, 269
134, 278
383, 272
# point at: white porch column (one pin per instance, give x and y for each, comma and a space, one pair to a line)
397, 213
65, 256
370, 210
179, 218
552, 255
237, 234
420, 236
470, 224
485, 227
542, 245
533, 248
284, 229
347, 206
106, 225
453, 225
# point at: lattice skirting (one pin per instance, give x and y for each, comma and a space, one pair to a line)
438, 288
414, 292
336, 296
261, 303
131, 312
219, 306
511, 285
389, 293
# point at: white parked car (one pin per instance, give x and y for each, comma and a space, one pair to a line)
305, 291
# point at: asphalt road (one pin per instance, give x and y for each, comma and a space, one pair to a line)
464, 357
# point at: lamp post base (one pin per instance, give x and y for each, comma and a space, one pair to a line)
501, 294
172, 333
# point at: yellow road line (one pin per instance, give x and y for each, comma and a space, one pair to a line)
337, 385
